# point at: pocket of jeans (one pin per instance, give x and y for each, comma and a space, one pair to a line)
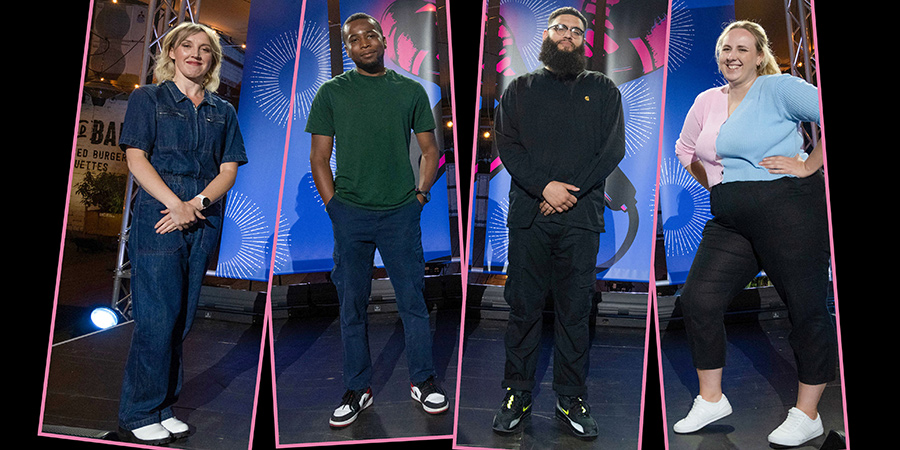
329, 207
211, 228
143, 236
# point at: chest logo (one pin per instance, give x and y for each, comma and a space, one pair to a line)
587, 98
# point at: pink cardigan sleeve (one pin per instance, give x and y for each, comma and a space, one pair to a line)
697, 141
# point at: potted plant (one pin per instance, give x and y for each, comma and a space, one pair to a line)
103, 196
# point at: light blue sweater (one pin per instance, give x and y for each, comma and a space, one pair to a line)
766, 124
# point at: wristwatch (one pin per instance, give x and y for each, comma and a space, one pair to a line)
204, 202
425, 194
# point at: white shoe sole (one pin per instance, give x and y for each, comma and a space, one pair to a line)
153, 434
351, 419
792, 442
681, 429
415, 394
788, 439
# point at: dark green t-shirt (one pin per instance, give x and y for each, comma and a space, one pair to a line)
371, 119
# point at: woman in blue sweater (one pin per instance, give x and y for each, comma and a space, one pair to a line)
767, 197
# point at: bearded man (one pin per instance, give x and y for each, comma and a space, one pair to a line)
559, 132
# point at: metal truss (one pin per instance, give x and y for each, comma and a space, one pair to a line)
800, 43
801, 47
164, 15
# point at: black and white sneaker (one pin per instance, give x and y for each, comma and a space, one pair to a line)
430, 395
576, 413
351, 404
515, 408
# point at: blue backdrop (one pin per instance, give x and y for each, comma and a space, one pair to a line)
684, 204
635, 45
267, 108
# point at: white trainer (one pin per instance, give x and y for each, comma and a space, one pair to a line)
153, 434
796, 429
178, 428
702, 414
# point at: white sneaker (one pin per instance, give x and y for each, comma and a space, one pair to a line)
178, 428
430, 395
153, 434
351, 404
796, 429
702, 414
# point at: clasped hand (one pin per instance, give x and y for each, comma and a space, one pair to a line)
558, 197
179, 217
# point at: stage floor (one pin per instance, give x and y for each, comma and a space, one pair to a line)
760, 380
308, 379
614, 389
221, 364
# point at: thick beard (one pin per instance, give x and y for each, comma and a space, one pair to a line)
562, 63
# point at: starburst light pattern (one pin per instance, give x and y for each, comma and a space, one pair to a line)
683, 239
641, 115
681, 35
273, 72
254, 237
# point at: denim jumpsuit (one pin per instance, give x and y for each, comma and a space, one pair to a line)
186, 146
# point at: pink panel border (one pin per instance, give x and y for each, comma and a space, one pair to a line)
496, 163
463, 267
831, 246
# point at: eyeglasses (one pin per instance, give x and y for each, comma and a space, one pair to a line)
561, 29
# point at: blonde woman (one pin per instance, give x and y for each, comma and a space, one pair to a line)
183, 147
767, 197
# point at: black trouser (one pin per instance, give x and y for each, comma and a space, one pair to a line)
549, 258
780, 227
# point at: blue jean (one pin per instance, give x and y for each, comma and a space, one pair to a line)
397, 235
166, 275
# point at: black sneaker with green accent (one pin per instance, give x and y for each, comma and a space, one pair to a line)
576, 413
516, 406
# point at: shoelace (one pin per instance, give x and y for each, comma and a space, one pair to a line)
512, 399
351, 397
578, 406
699, 408
793, 421
696, 408
429, 387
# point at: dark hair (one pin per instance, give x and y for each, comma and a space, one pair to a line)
358, 16
568, 10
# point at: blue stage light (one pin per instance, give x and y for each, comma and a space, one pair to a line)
104, 317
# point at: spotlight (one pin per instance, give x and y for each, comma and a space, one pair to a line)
104, 318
